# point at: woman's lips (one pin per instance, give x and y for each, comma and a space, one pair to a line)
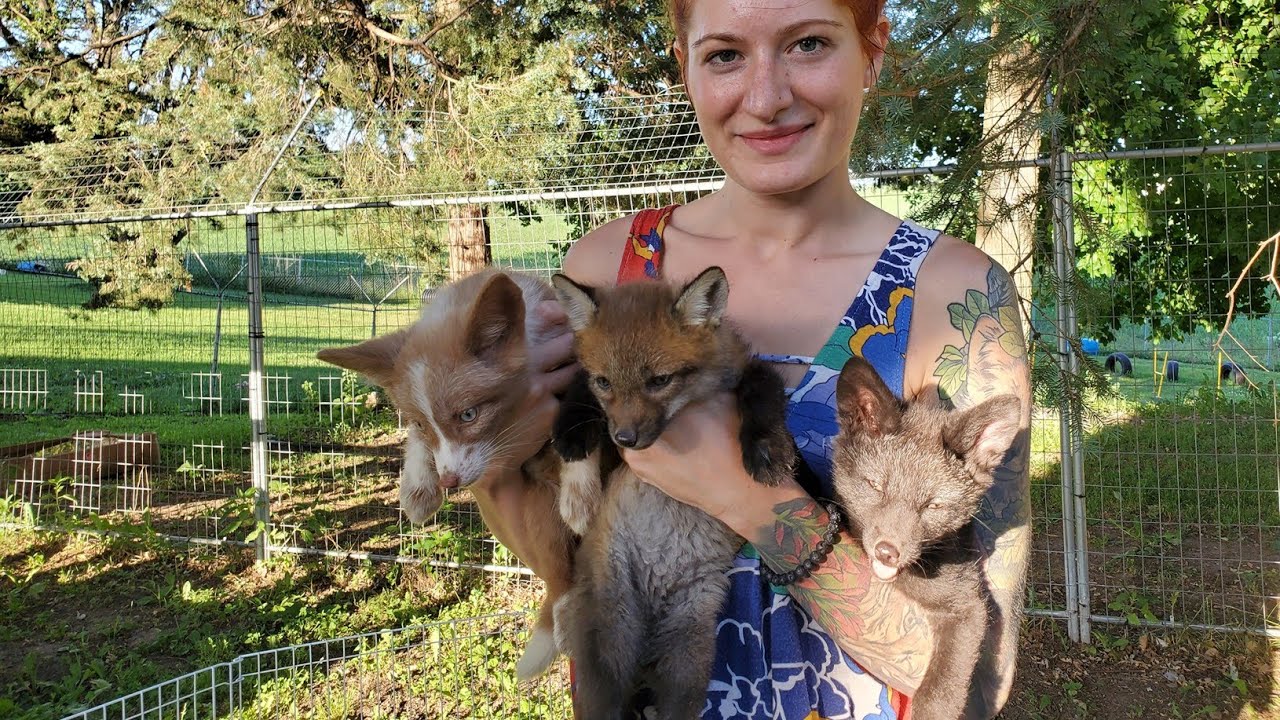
776, 141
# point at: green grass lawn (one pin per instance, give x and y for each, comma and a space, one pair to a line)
85, 620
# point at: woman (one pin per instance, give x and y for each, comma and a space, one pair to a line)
777, 88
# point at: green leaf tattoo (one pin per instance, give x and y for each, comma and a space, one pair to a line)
982, 319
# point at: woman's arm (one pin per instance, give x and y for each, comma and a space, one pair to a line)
885, 632
974, 348
698, 461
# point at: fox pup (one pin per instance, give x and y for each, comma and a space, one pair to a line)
457, 375
650, 575
911, 477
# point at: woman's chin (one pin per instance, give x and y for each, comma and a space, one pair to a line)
774, 181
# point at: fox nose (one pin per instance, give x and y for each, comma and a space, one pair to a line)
887, 554
450, 480
626, 437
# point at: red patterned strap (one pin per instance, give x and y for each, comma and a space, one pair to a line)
642, 257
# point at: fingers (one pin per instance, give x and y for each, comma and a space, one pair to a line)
551, 313
552, 352
557, 381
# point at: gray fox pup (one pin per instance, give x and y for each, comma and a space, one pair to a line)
910, 477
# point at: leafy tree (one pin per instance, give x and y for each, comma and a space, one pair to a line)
1121, 75
132, 270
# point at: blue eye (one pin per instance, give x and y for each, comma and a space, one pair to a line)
468, 415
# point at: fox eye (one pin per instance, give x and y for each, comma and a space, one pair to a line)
603, 383
659, 381
469, 415
934, 504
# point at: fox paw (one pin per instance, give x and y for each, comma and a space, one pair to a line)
769, 457
580, 492
575, 444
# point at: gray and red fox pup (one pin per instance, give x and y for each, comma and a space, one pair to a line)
458, 376
911, 477
650, 576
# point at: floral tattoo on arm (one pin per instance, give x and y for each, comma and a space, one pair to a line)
993, 360
888, 635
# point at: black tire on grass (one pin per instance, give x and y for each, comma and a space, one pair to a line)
1119, 363
1233, 372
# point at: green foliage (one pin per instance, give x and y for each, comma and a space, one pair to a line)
132, 270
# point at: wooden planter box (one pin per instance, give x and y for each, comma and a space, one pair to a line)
91, 455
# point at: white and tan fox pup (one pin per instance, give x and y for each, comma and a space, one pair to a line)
458, 376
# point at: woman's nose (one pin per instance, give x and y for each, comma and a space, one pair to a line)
768, 90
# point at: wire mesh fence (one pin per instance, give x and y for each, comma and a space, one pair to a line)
451, 669
127, 297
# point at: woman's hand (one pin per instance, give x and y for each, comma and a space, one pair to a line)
698, 461
551, 369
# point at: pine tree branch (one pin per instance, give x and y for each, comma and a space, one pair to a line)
357, 11
7, 35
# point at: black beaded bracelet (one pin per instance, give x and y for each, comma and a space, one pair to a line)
806, 567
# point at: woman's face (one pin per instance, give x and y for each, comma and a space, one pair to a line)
777, 86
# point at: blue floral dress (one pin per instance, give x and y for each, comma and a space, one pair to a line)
772, 658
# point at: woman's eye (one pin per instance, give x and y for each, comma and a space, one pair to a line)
810, 45
722, 57
469, 415
603, 383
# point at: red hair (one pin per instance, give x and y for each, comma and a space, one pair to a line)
865, 15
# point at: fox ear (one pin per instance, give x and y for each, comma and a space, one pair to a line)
704, 299
374, 358
577, 300
497, 319
865, 404
984, 433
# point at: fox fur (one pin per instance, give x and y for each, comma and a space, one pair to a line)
457, 376
651, 572
910, 477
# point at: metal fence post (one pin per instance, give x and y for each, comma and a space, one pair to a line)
1075, 557
1080, 514
257, 392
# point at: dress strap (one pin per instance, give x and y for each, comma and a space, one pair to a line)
642, 256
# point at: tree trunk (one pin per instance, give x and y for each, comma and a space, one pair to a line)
468, 239
1007, 207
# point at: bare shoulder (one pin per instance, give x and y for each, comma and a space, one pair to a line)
955, 266
594, 258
